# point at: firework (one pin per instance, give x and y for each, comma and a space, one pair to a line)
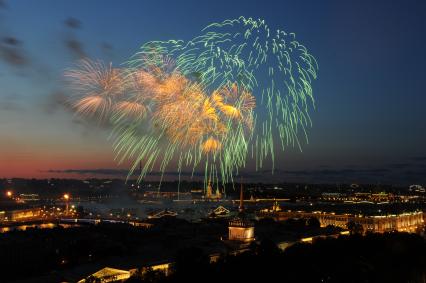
271, 64
98, 87
207, 103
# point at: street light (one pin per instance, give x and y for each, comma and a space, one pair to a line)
66, 198
9, 194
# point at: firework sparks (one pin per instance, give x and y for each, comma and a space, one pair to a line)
97, 86
205, 102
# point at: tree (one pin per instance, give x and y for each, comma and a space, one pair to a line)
313, 222
267, 248
355, 228
190, 261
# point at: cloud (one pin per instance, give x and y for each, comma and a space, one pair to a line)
419, 159
76, 47
106, 46
265, 174
16, 55
399, 165
3, 4
337, 172
73, 23
366, 176
120, 172
12, 52
407, 172
72, 43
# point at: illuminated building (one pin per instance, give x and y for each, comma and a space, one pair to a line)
365, 197
20, 214
107, 274
331, 196
239, 228
29, 197
209, 193
404, 222
163, 213
219, 212
165, 195
164, 267
276, 207
417, 188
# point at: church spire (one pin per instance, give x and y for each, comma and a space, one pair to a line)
241, 207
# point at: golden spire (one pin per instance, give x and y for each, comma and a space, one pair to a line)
209, 190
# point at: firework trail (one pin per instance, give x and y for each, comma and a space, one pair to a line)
211, 102
97, 87
186, 121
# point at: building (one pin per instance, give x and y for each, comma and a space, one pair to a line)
240, 228
126, 271
162, 214
220, 211
29, 197
162, 266
155, 195
20, 214
210, 195
107, 274
361, 197
404, 222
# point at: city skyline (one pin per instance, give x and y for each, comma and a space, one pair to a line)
367, 125
185, 141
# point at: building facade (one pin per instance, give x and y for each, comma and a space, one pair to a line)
241, 230
404, 222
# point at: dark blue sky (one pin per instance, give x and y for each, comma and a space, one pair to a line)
368, 125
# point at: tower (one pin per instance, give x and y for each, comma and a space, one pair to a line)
240, 228
218, 193
209, 191
241, 206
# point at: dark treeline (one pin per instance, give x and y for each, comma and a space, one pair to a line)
36, 252
40, 252
394, 257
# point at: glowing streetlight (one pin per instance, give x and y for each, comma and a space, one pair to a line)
66, 198
9, 194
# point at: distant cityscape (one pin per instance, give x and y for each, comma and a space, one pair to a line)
212, 141
233, 217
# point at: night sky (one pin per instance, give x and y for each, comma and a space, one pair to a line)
368, 125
